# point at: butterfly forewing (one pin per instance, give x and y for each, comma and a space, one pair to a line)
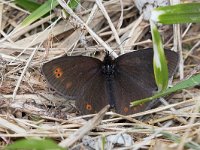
68, 75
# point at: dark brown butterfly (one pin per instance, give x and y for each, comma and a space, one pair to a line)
95, 84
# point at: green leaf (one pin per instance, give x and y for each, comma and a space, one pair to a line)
181, 13
175, 138
159, 60
27, 4
41, 11
192, 81
34, 144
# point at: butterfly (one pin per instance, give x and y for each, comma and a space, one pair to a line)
93, 83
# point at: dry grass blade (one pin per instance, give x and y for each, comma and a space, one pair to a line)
8, 125
99, 3
94, 35
191, 122
83, 130
24, 70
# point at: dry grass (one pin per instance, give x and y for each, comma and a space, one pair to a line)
29, 109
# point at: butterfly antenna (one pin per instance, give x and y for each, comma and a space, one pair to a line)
107, 53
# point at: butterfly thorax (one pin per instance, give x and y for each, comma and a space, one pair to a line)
108, 67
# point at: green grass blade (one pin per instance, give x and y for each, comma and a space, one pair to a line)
176, 139
42, 10
73, 3
159, 60
27, 4
181, 13
192, 81
103, 138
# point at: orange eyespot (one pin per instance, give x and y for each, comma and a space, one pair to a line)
58, 72
125, 109
88, 107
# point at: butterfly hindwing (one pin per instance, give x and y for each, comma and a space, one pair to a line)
94, 96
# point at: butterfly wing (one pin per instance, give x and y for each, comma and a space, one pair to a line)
134, 78
79, 78
95, 95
